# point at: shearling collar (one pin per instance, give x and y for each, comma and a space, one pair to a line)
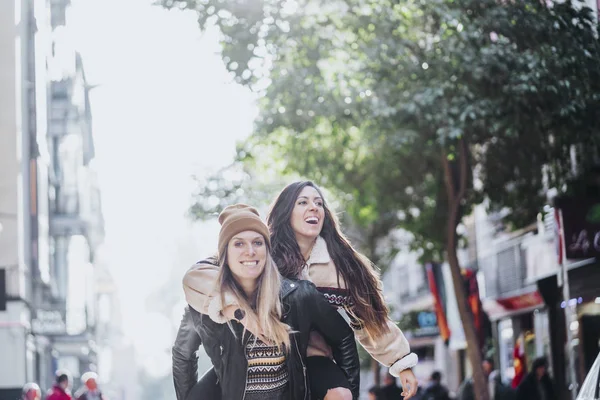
319, 253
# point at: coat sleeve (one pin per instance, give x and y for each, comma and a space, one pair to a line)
390, 349
202, 294
185, 359
336, 332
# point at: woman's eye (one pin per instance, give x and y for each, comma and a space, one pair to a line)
320, 204
238, 244
258, 243
302, 202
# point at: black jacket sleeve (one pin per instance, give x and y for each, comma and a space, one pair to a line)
338, 334
185, 359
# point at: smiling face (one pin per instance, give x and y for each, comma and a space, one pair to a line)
246, 257
308, 214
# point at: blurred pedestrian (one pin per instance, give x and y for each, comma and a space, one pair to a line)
31, 391
376, 394
497, 389
90, 390
435, 390
60, 389
537, 384
390, 390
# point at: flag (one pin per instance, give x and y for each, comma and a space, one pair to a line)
474, 302
437, 288
519, 361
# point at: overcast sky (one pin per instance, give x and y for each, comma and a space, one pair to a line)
164, 109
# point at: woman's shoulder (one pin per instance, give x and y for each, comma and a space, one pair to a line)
212, 260
297, 284
297, 290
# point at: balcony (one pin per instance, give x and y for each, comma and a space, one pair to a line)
60, 108
67, 225
58, 13
65, 216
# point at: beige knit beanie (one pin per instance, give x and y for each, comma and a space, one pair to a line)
238, 218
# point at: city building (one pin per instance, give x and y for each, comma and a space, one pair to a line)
580, 313
407, 290
76, 222
24, 165
510, 298
51, 221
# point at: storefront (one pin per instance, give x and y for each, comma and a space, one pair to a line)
422, 332
519, 321
584, 324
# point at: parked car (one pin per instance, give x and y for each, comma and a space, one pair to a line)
590, 390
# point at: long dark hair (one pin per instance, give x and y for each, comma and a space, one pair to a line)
360, 274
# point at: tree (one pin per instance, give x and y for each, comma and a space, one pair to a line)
418, 110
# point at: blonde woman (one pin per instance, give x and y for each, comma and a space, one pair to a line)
260, 353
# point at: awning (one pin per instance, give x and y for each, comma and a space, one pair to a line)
513, 305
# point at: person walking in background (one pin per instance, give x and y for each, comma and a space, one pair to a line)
390, 389
31, 391
435, 390
90, 390
537, 384
309, 245
498, 390
60, 389
375, 393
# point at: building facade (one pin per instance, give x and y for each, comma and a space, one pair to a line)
411, 302
510, 299
24, 40
50, 211
524, 299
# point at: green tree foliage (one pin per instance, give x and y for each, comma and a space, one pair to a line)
417, 110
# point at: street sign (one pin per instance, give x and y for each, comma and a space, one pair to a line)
48, 322
581, 226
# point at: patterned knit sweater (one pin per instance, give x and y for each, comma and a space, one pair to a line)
267, 371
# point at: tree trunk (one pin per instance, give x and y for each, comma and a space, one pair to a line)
456, 194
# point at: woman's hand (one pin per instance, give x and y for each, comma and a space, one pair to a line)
409, 383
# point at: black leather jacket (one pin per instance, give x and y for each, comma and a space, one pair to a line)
304, 309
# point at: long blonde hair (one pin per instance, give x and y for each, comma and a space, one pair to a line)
264, 308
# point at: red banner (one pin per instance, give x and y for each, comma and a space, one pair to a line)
527, 300
433, 272
474, 302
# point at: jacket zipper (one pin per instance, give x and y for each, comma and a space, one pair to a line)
303, 369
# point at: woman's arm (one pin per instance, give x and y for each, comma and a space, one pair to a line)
334, 329
393, 350
199, 287
185, 359
390, 349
